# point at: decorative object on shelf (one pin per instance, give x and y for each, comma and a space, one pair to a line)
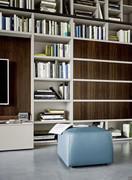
23, 116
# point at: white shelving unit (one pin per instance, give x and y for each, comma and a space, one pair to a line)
40, 40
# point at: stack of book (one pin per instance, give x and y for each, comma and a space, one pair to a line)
115, 132
40, 138
52, 69
52, 27
113, 37
15, 23
86, 2
48, 6
44, 94
4, 3
83, 13
51, 93
52, 114
114, 5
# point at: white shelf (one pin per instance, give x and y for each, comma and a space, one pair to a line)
102, 80
117, 26
51, 38
15, 34
51, 122
106, 41
101, 60
102, 120
52, 79
45, 142
102, 100
52, 17
89, 21
52, 101
20, 12
51, 58
122, 139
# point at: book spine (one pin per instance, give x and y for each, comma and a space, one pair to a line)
0, 20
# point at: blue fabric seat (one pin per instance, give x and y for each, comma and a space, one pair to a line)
83, 146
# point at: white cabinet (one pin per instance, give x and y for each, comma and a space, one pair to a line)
16, 136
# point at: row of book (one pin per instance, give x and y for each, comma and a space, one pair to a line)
52, 69
63, 92
48, 6
52, 27
27, 4
123, 36
57, 50
52, 114
90, 32
15, 23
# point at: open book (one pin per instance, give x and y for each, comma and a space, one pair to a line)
59, 128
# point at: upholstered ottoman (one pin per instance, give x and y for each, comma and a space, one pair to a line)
83, 146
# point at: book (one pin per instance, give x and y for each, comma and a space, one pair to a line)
51, 116
100, 11
115, 132
66, 7
54, 111
114, 19
59, 128
127, 130
57, 94
43, 137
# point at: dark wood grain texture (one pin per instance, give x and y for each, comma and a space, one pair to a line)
101, 110
100, 70
101, 90
17, 50
102, 50
97, 90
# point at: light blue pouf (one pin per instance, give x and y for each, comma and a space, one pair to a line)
83, 146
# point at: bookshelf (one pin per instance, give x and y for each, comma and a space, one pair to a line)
95, 60
56, 44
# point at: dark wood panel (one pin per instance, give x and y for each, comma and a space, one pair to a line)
102, 110
101, 50
100, 70
97, 90
17, 50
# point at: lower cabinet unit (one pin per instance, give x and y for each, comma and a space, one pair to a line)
16, 136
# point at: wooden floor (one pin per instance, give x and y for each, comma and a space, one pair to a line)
44, 164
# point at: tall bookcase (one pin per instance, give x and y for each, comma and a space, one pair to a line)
99, 61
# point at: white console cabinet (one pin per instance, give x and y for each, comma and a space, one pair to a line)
16, 136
